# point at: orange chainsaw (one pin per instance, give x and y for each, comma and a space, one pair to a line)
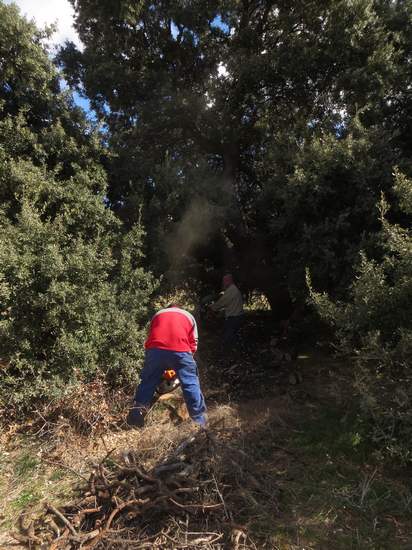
169, 382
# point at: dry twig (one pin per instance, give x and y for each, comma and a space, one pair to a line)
189, 499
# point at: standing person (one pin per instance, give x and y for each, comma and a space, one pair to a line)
231, 302
171, 343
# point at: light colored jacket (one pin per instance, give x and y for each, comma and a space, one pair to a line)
231, 301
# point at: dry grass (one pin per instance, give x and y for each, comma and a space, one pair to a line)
201, 505
289, 468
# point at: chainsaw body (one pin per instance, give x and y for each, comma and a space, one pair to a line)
169, 382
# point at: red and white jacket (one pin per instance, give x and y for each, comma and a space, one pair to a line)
173, 329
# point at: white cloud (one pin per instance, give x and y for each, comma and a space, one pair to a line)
46, 12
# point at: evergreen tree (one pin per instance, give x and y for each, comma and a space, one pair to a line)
235, 102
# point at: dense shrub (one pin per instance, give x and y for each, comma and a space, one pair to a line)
375, 326
72, 288
73, 292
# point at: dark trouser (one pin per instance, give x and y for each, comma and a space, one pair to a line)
156, 362
231, 330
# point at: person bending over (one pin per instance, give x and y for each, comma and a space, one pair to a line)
171, 343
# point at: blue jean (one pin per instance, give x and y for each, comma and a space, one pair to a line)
159, 360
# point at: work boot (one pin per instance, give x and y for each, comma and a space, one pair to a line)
135, 417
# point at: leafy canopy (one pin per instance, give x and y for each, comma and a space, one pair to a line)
228, 101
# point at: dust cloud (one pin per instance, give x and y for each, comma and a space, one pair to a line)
199, 221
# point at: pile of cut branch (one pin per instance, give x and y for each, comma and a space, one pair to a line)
198, 496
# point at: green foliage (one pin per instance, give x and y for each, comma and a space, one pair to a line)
26, 498
25, 464
320, 207
376, 327
73, 292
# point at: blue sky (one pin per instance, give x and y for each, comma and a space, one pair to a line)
83, 102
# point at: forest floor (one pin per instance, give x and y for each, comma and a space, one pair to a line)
295, 422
